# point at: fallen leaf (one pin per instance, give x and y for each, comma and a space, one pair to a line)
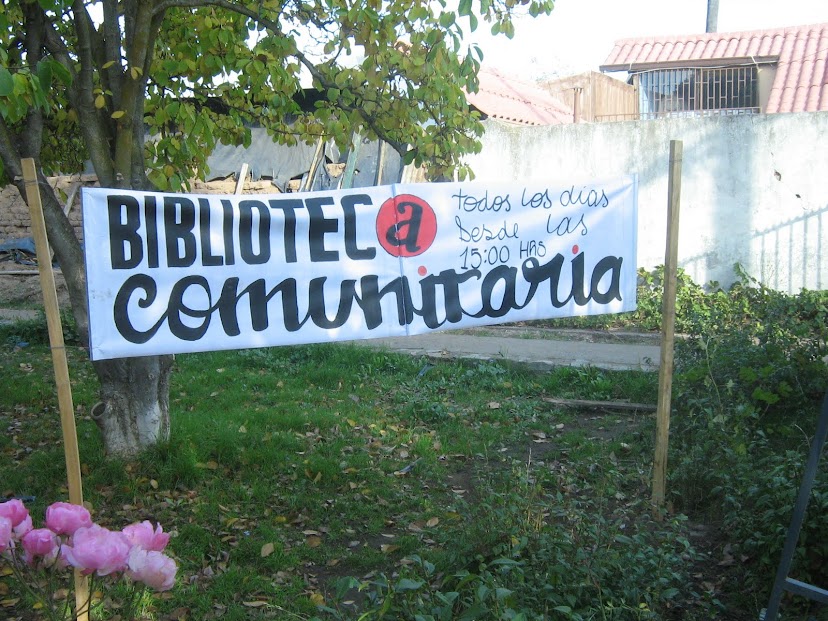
313, 541
255, 604
433, 522
494, 405
317, 599
267, 550
388, 548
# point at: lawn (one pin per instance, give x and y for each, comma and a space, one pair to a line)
339, 482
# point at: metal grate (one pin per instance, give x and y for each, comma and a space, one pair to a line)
698, 92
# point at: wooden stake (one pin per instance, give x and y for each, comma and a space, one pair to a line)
668, 323
61, 366
241, 179
318, 156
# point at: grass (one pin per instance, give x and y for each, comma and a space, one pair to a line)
292, 468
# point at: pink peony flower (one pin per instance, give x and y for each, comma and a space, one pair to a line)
142, 535
65, 518
40, 542
5, 533
24, 527
15, 510
95, 548
153, 568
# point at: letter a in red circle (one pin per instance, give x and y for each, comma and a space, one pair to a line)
406, 226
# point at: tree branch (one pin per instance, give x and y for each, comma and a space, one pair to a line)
112, 51
91, 123
139, 49
34, 23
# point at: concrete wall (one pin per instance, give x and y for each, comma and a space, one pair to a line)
754, 189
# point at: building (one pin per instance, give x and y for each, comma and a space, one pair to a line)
516, 102
753, 72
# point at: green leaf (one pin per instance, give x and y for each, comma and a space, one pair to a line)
465, 7
6, 82
669, 593
502, 593
406, 584
44, 74
62, 73
477, 611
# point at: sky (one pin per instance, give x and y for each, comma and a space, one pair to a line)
579, 34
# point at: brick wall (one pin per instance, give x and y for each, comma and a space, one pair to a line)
14, 213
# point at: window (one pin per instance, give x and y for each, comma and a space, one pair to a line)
697, 91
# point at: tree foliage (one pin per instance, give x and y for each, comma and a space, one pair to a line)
192, 73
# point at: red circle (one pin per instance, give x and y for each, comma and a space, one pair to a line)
575, 249
422, 271
406, 226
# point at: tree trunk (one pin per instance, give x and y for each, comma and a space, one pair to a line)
134, 413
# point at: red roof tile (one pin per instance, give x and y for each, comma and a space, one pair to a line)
799, 52
514, 101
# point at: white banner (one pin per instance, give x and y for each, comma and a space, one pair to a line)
174, 273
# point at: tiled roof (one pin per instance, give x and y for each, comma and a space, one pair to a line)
799, 52
514, 101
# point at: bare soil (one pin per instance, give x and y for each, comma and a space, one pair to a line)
20, 286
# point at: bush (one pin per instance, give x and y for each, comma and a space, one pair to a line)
749, 380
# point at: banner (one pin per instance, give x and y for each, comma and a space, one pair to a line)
174, 273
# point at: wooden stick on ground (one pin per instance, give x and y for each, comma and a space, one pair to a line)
609, 405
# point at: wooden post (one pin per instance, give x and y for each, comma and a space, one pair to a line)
318, 156
61, 366
668, 323
241, 179
346, 182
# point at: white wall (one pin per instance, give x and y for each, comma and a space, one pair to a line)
754, 189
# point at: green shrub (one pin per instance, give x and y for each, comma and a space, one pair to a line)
35, 331
748, 384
